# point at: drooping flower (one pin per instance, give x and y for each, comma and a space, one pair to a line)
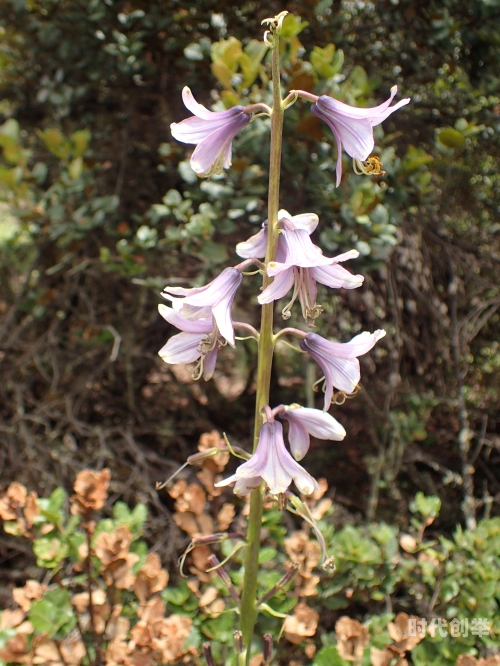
299, 264
352, 128
199, 341
271, 463
212, 132
255, 246
214, 299
305, 422
339, 361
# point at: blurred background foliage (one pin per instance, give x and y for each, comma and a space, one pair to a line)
100, 209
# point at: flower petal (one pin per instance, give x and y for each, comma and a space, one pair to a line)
181, 348
209, 363
280, 286
255, 246
300, 251
336, 277
201, 326
315, 422
202, 112
298, 438
306, 221
217, 145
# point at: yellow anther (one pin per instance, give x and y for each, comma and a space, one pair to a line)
370, 167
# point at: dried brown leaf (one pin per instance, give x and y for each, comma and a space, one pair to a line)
151, 578
225, 516
399, 632
24, 596
352, 637
111, 546
303, 623
91, 491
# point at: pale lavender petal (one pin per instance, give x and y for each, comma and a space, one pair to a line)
272, 463
201, 326
300, 251
182, 348
278, 288
210, 294
353, 126
332, 106
245, 486
338, 169
201, 111
209, 150
290, 469
306, 221
315, 422
194, 130
345, 374
309, 290
298, 437
255, 246
358, 346
339, 360
355, 135
209, 363
336, 277
350, 254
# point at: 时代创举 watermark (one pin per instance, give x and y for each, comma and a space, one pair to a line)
477, 626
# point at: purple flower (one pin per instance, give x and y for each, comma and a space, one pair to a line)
212, 131
271, 463
300, 264
214, 299
304, 422
255, 246
352, 127
338, 360
199, 341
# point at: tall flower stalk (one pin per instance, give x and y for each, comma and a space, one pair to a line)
248, 613
204, 317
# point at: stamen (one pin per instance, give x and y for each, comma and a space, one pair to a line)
316, 385
370, 167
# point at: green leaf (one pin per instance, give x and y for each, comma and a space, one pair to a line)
49, 552
176, 595
53, 613
267, 553
451, 138
55, 142
292, 26
11, 129
329, 656
80, 140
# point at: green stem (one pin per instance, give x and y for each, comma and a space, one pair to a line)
248, 614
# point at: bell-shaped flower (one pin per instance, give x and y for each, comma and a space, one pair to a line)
212, 132
255, 246
273, 464
214, 299
304, 422
352, 127
301, 268
339, 361
199, 342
